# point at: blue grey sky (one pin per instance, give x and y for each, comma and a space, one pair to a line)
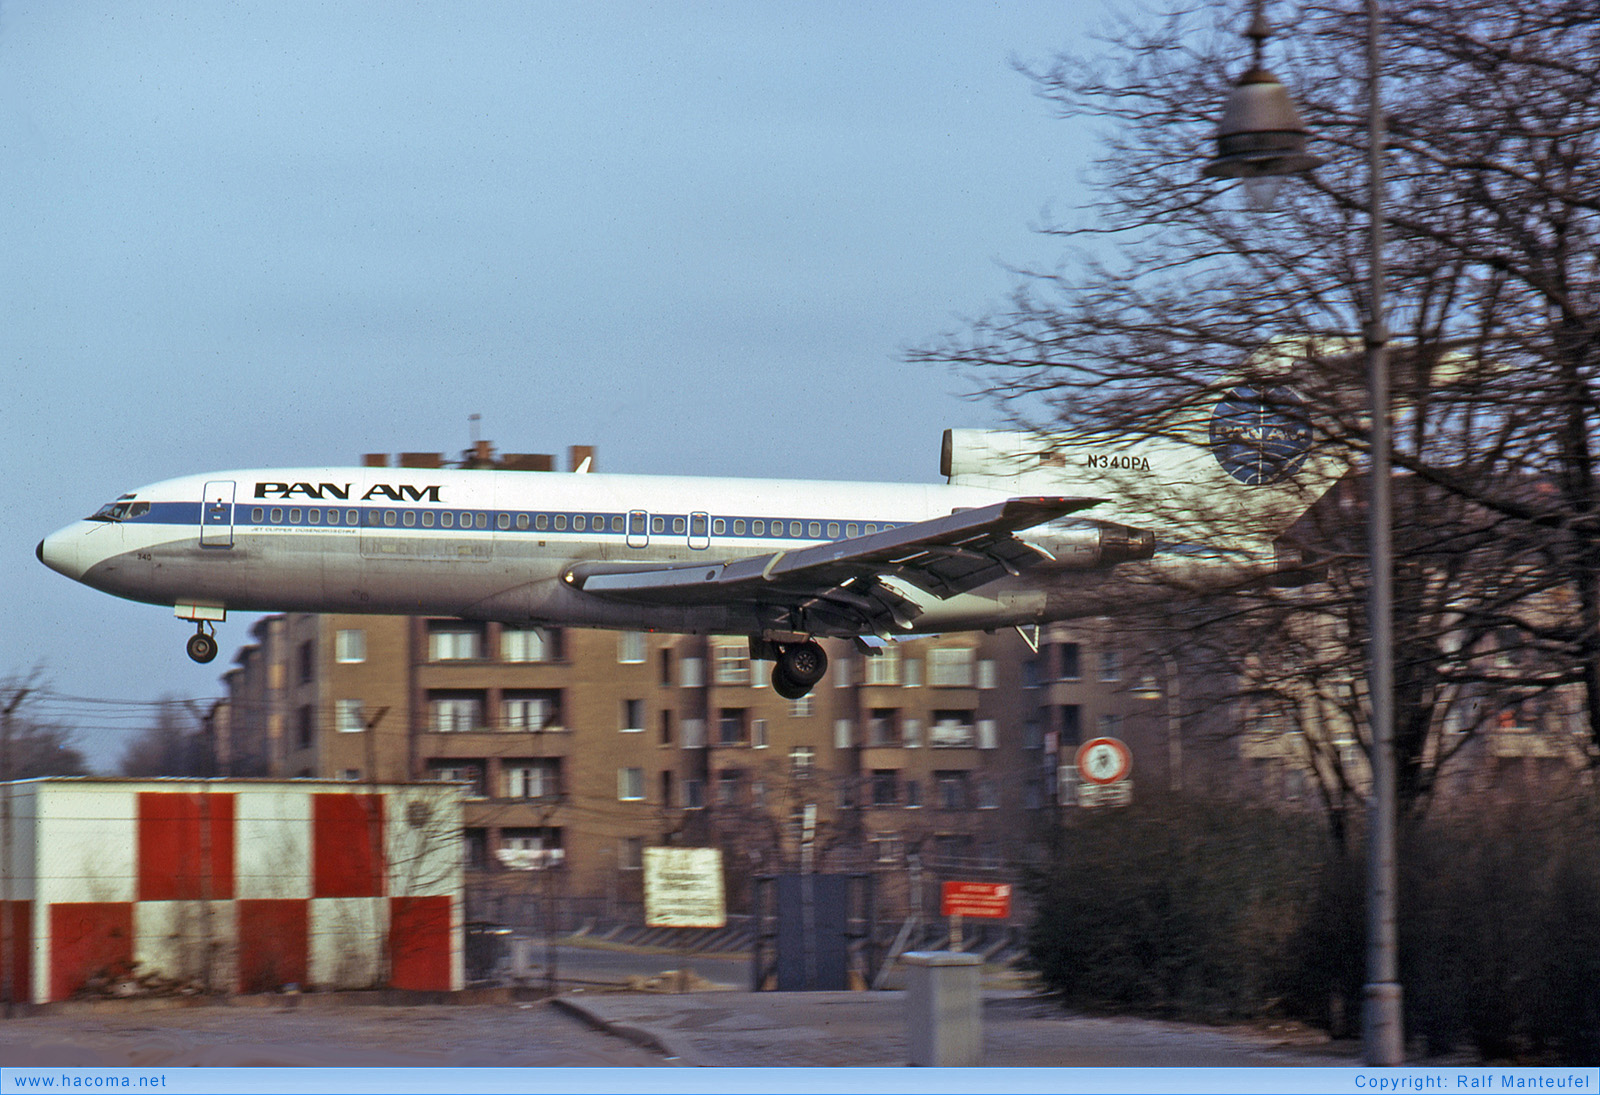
696, 235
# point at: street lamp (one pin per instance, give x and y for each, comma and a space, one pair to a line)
1261, 135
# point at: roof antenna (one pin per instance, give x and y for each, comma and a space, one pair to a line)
473, 420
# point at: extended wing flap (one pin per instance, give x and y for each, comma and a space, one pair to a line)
944, 556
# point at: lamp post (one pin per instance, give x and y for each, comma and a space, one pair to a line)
1261, 135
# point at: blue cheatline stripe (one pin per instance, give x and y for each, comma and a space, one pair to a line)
537, 522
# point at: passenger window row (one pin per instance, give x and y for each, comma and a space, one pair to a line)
753, 527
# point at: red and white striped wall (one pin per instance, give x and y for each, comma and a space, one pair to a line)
248, 885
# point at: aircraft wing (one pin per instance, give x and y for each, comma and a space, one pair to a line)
837, 586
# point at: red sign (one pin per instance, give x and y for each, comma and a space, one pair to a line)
982, 899
1103, 761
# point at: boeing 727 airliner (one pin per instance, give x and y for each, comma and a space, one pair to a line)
1026, 530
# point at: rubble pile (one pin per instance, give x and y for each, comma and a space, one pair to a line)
121, 982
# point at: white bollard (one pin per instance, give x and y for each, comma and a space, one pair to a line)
944, 1008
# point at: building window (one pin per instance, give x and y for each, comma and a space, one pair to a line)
532, 778
950, 667
530, 712
350, 645
951, 789
304, 724
988, 795
1110, 725
459, 771
666, 727
951, 730
350, 774
911, 673
630, 853
732, 723
733, 664
988, 737
844, 734
883, 670
455, 714
691, 672
1032, 735
758, 794
802, 761
913, 793
729, 781
694, 794
840, 668
526, 644
630, 784
633, 716
666, 667
630, 647
454, 642
758, 734
694, 733
885, 787
886, 848
804, 707
911, 733
1110, 665
883, 727
347, 716
531, 848
1071, 724
1030, 674
986, 673
1071, 662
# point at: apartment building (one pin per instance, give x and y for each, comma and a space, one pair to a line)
584, 747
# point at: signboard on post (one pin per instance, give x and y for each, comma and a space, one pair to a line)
683, 888
988, 900
1103, 766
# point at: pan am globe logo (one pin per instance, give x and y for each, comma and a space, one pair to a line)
1260, 437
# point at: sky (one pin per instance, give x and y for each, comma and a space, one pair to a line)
697, 236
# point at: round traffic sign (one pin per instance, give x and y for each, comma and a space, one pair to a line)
1103, 760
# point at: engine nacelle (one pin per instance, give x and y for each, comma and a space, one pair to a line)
1081, 544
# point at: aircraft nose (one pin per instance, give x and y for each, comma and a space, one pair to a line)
62, 552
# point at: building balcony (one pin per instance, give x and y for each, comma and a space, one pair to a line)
485, 742
514, 813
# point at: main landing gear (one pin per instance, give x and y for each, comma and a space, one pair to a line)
202, 645
797, 668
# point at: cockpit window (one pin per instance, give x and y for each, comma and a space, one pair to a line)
113, 511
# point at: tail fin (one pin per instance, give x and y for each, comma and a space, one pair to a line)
1242, 465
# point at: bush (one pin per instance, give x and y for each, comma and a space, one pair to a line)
1215, 911
1176, 909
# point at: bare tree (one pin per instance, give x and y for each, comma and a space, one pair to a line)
167, 747
1173, 287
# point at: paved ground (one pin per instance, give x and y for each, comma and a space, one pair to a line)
219, 1035
868, 1028
620, 1029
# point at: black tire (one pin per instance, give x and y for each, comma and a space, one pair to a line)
788, 689
201, 647
804, 663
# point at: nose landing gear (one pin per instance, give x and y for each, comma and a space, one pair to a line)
202, 645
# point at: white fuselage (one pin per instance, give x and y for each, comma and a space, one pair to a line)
497, 545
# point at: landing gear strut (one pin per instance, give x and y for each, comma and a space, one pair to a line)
799, 666
202, 645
